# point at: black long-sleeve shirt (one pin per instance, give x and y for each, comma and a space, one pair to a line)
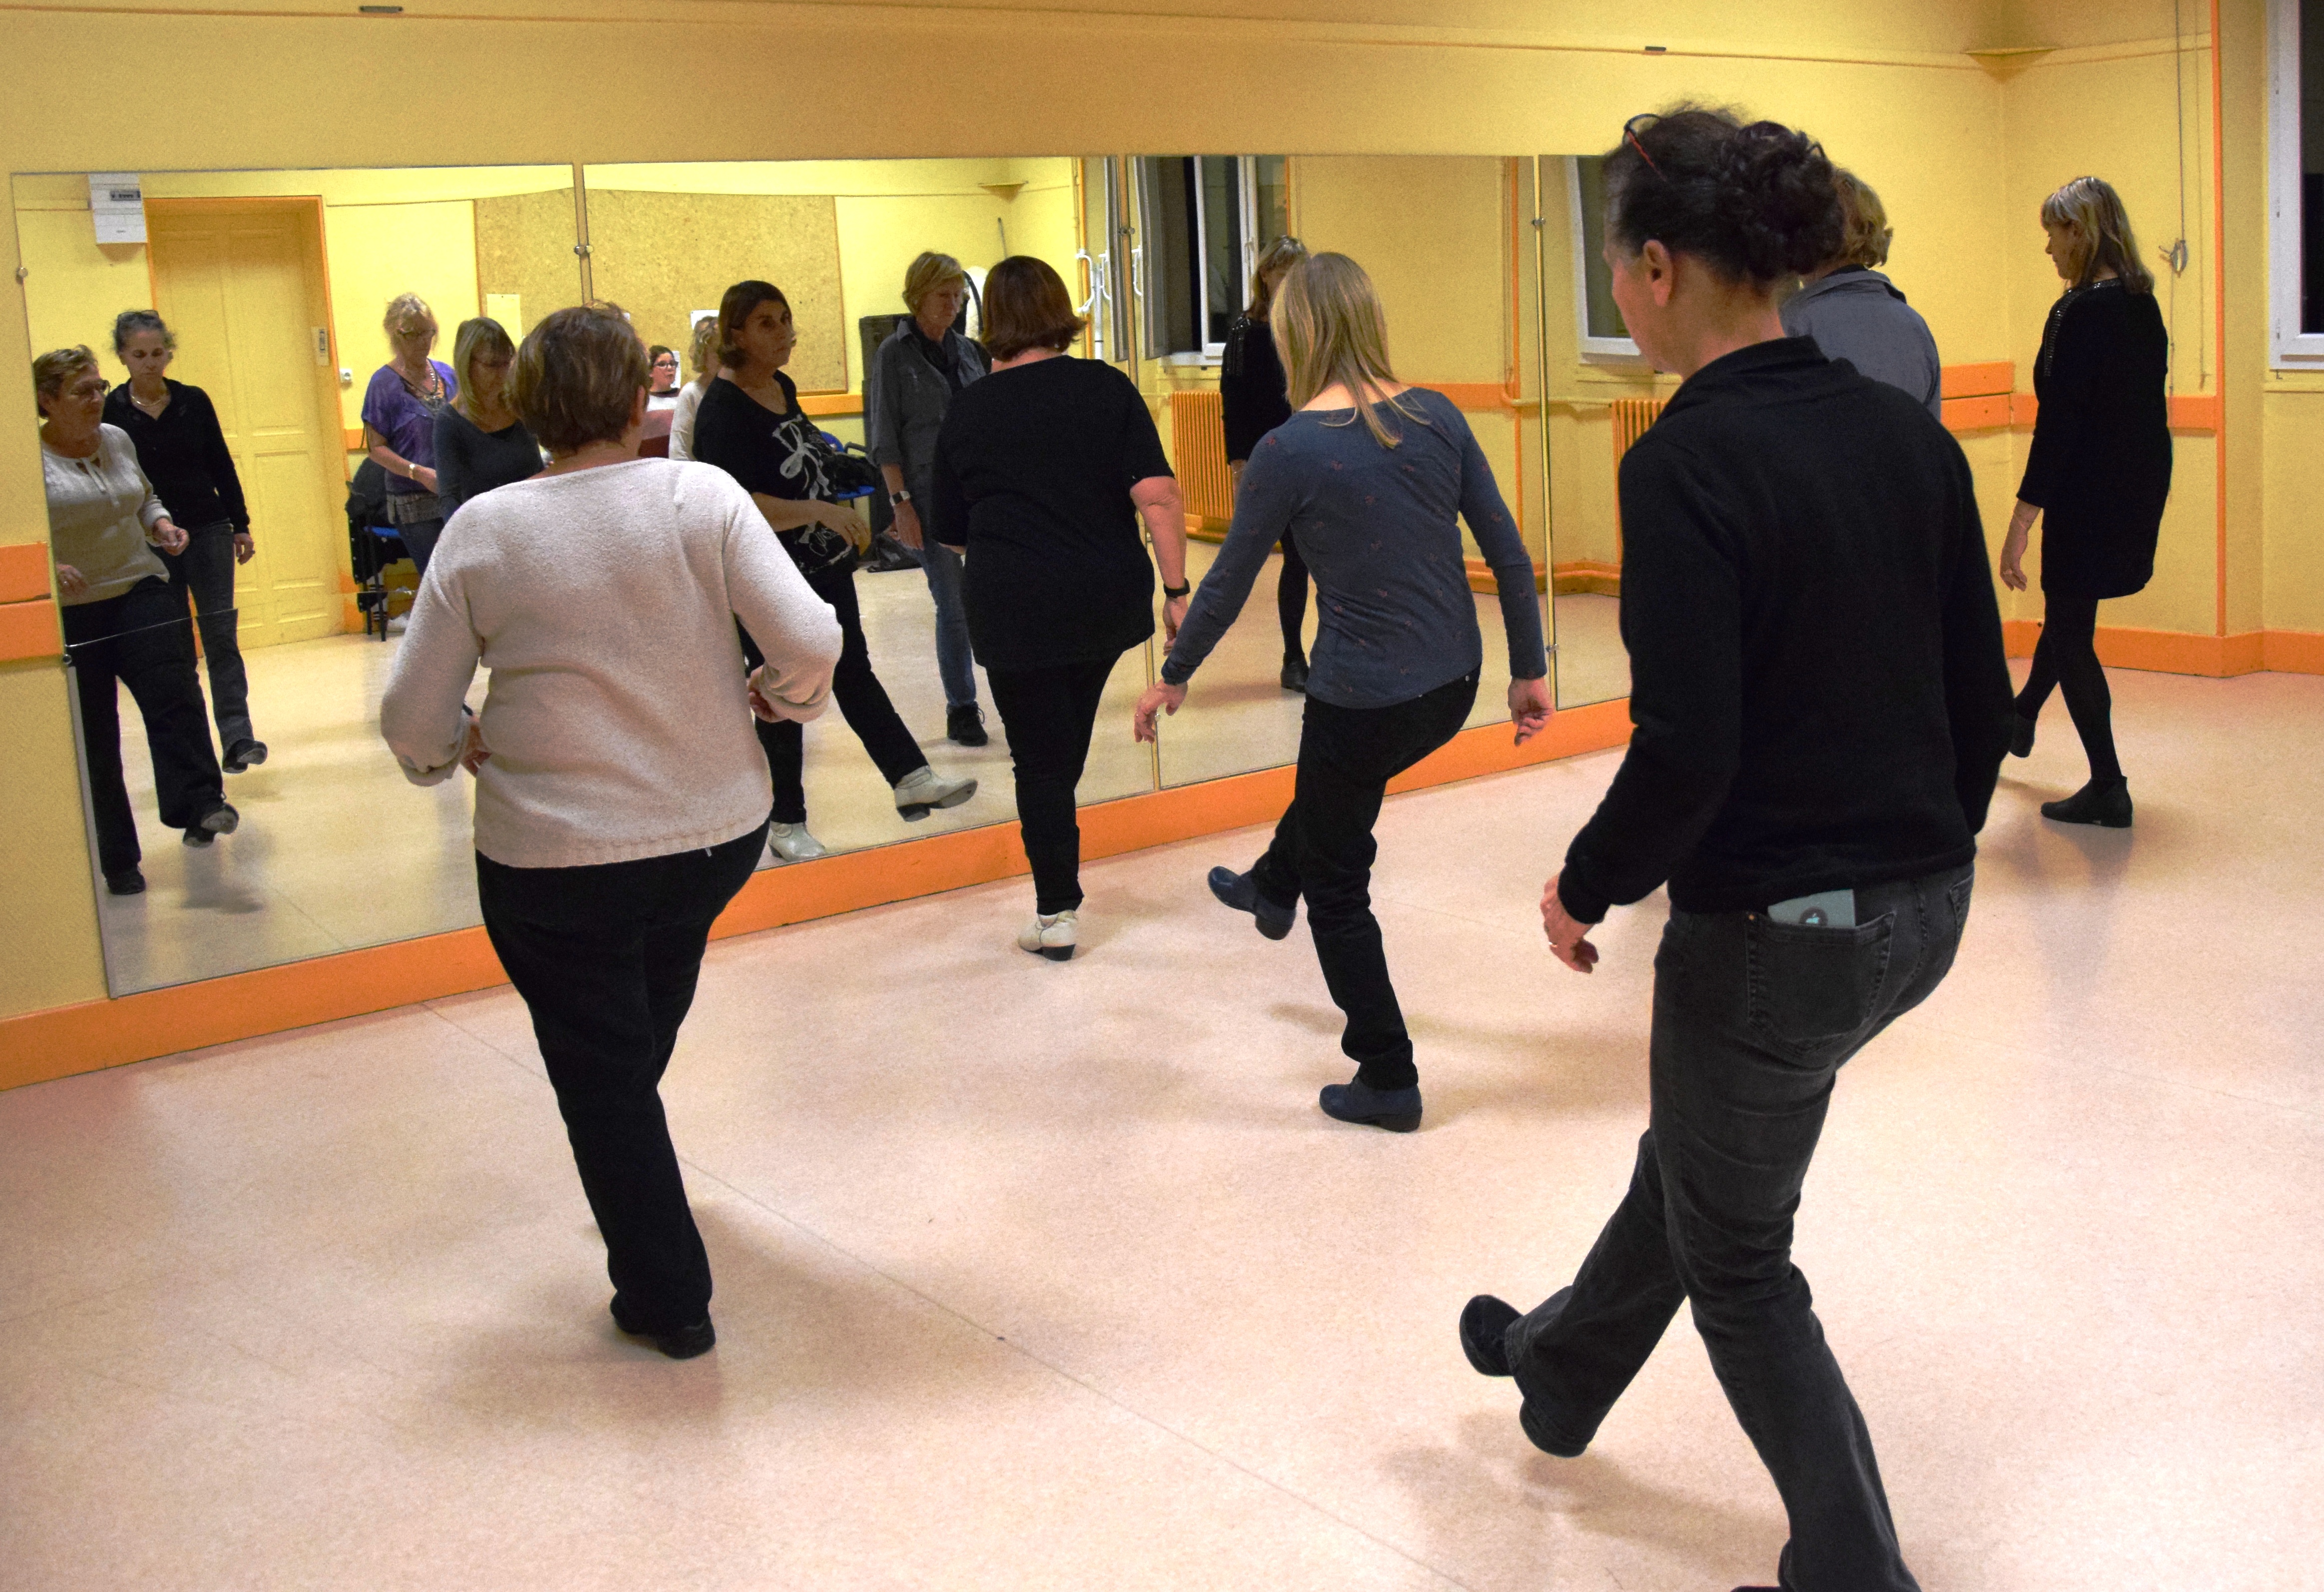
1819, 691
183, 453
1252, 388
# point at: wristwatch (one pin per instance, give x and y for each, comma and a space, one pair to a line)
1174, 592
899, 496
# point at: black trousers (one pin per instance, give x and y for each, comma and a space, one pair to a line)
142, 639
606, 958
419, 541
2067, 655
1752, 1021
1324, 851
205, 573
1048, 714
862, 703
1291, 601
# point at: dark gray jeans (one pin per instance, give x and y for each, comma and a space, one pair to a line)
204, 572
1752, 1020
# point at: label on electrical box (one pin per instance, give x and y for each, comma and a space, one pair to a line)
116, 199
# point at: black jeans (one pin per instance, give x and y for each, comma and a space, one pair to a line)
1291, 601
862, 703
1048, 714
204, 572
2067, 655
142, 639
1324, 851
419, 541
1752, 1021
606, 959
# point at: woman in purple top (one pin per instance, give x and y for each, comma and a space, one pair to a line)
399, 415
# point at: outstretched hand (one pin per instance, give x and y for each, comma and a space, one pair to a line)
1160, 697
1530, 707
1569, 939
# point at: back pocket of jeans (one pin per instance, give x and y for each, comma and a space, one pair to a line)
1809, 988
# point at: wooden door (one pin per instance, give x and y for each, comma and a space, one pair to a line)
241, 284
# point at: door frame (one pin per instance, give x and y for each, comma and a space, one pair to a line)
327, 414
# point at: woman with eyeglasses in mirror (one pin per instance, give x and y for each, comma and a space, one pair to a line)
124, 623
751, 426
182, 449
1254, 396
663, 393
481, 441
399, 415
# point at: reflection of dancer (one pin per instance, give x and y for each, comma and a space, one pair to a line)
399, 415
124, 623
619, 802
751, 426
1821, 704
702, 357
481, 442
2098, 475
1252, 393
1370, 475
914, 376
663, 393
181, 448
1856, 314
1043, 472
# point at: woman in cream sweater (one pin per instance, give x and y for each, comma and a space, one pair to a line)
621, 798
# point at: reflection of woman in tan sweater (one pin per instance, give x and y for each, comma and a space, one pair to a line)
621, 796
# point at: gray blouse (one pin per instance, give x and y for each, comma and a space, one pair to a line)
101, 512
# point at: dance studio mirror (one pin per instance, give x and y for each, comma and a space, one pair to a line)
276, 285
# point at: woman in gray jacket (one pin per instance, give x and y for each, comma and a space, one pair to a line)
1856, 314
913, 378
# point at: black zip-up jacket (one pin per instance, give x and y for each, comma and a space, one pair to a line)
1252, 385
1818, 686
184, 455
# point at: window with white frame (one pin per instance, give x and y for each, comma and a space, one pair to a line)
2296, 182
1203, 221
1597, 319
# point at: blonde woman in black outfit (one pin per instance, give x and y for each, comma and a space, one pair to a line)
1255, 395
1043, 471
1822, 705
751, 426
2096, 476
182, 447
481, 441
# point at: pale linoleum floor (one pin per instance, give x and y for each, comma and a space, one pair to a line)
1051, 1276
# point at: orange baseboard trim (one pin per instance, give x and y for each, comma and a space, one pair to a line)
1481, 578
30, 630
2199, 413
2182, 652
1977, 380
24, 572
1473, 396
1986, 413
38, 1046
2293, 652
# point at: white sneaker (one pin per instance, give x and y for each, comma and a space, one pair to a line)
924, 790
792, 843
1049, 936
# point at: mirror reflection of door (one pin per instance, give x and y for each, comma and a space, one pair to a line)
241, 283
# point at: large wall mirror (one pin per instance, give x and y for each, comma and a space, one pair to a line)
276, 284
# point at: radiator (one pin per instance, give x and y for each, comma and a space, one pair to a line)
1198, 447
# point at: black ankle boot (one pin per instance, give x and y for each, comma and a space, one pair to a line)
2103, 801
2021, 736
1396, 1109
1295, 675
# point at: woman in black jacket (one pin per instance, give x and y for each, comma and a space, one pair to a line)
182, 447
2097, 475
1253, 391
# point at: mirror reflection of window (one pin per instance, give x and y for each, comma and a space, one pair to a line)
1204, 220
2311, 166
1601, 329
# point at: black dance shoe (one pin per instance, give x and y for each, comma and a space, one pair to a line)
1237, 891
1396, 1109
964, 724
2021, 736
1295, 675
242, 755
682, 1343
125, 881
1485, 1323
2104, 803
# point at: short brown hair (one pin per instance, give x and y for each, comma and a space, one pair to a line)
578, 376
927, 273
735, 309
53, 369
1025, 306
1865, 231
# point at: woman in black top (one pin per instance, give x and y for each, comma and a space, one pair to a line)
1822, 705
1253, 393
2097, 475
751, 426
480, 443
181, 448
1043, 471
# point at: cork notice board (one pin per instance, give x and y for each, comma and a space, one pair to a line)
660, 255
524, 251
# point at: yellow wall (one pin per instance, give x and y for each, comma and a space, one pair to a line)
1884, 86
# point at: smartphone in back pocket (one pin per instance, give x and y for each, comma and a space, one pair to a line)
1826, 909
